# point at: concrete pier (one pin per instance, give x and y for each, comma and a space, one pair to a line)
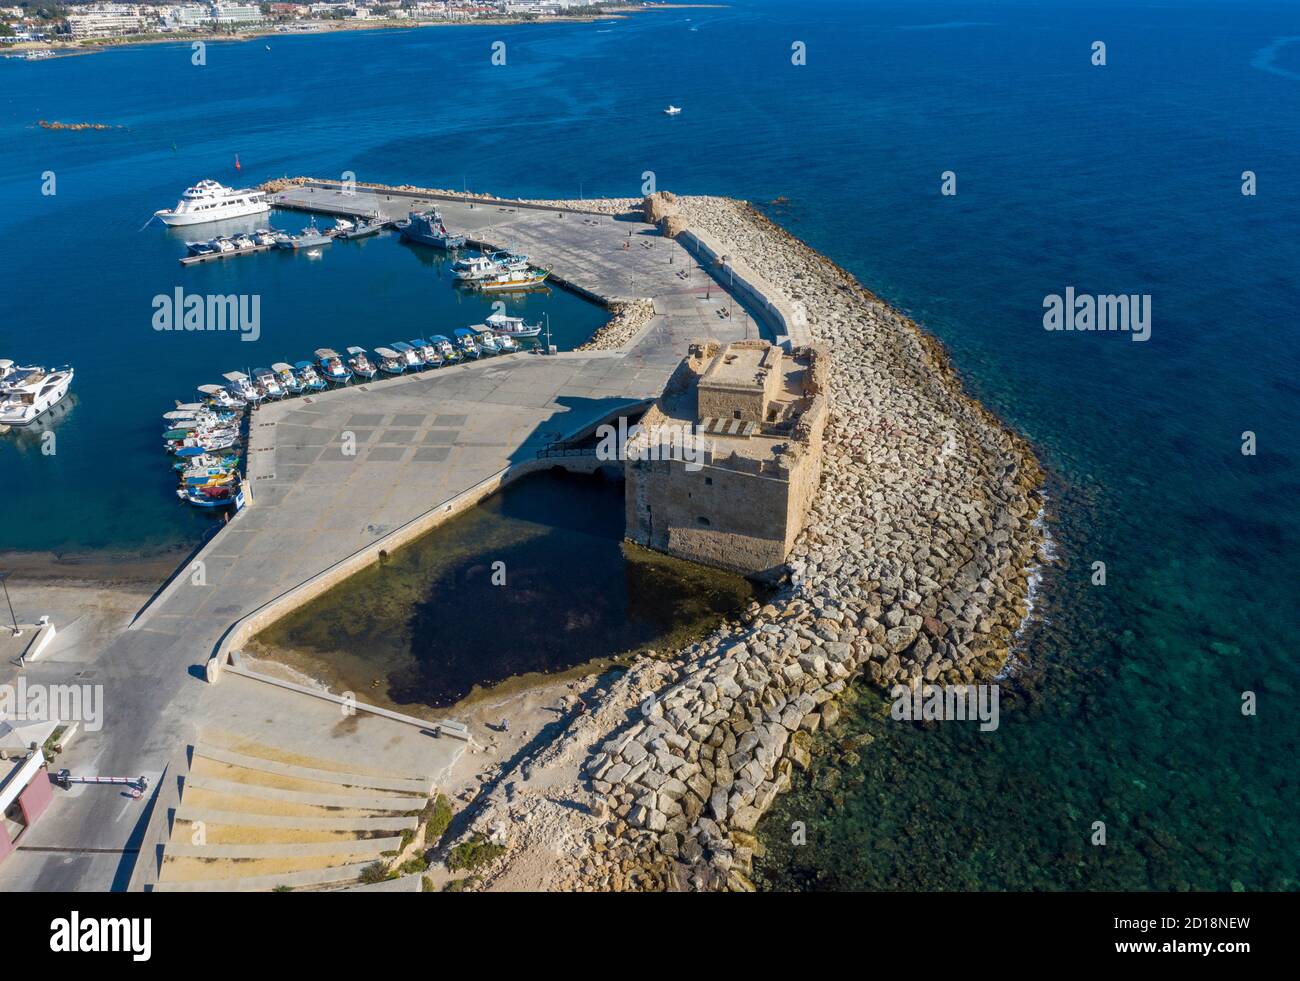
338, 476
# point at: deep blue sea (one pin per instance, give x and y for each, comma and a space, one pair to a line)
1122, 178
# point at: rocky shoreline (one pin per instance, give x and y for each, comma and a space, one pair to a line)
914, 567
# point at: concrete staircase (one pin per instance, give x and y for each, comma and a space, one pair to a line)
253, 818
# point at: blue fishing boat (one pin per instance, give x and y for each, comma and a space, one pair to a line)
427, 352
290, 382
409, 355
465, 342
311, 381
390, 362
332, 366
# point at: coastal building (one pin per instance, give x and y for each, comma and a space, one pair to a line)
109, 20
25, 791
724, 465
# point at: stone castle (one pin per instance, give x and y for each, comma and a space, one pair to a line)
726, 462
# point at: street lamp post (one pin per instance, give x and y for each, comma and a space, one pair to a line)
12, 617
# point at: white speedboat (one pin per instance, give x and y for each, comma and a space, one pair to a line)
26, 393
209, 201
672, 110
264, 236
344, 225
222, 244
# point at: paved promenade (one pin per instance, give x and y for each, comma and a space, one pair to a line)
420, 443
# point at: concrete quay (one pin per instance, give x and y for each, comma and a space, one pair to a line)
426, 446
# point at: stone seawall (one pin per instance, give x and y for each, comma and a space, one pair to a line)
913, 567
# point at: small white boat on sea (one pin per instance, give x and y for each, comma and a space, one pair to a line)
264, 236
222, 244
487, 341
409, 355
342, 224
360, 364
209, 201
672, 110
515, 327
27, 393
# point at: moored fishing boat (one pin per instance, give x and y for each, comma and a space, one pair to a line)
473, 268
270, 383
332, 366
290, 382
515, 279
390, 361
465, 342
364, 228
428, 353
220, 397
448, 350
360, 363
512, 326
506, 343
208, 497
409, 355
311, 381
487, 341
243, 388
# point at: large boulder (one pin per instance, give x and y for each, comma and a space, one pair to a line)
658, 206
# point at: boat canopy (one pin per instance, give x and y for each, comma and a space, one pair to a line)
356, 350
384, 352
303, 364
211, 389
464, 332
235, 376
401, 346
281, 366
326, 352
439, 339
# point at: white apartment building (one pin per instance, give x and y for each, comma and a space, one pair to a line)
109, 20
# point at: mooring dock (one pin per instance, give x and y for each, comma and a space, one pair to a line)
425, 446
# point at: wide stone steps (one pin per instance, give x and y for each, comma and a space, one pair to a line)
209, 815
313, 849
417, 785
308, 878
361, 802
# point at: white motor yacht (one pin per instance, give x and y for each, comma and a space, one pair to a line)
209, 201
26, 393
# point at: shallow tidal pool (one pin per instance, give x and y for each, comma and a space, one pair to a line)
537, 579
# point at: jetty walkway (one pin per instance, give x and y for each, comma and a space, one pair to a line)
334, 478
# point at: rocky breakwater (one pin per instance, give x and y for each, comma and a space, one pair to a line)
913, 567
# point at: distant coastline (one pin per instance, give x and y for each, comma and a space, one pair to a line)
98, 45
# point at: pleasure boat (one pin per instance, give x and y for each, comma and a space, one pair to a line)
243, 388
26, 393
448, 351
222, 244
332, 366
672, 110
390, 362
290, 382
209, 201
221, 397
465, 341
427, 352
242, 242
426, 228
342, 224
264, 236
473, 268
310, 379
513, 280
310, 237
269, 382
409, 355
360, 363
515, 327
200, 248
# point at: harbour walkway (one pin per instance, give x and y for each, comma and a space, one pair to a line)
337, 475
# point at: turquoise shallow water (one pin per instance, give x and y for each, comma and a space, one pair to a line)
1117, 179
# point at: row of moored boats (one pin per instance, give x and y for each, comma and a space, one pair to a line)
205, 440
